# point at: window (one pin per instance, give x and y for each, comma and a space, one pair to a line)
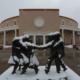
70, 23
31, 39
39, 40
15, 22
7, 23
47, 38
63, 22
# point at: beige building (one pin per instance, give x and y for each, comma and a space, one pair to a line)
38, 23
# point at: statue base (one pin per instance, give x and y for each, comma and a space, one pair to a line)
30, 74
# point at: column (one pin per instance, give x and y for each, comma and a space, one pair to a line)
4, 39
63, 34
34, 39
15, 32
44, 39
44, 42
73, 37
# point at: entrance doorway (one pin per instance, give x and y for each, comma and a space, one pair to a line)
39, 40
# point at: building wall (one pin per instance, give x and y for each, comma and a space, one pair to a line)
77, 39
52, 23
1, 38
68, 38
9, 22
27, 18
9, 37
68, 22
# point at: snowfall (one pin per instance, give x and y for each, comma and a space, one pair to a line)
30, 74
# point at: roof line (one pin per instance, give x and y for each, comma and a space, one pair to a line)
9, 19
38, 9
69, 18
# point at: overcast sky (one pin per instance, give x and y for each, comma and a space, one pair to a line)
68, 8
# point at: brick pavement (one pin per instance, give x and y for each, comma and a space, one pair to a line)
3, 66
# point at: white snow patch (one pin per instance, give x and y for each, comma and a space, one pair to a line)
61, 40
33, 50
30, 74
22, 43
34, 60
53, 33
59, 55
6, 46
16, 38
26, 60
16, 58
69, 46
21, 61
11, 61
26, 44
29, 44
26, 36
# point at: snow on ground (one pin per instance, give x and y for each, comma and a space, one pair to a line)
30, 75
69, 46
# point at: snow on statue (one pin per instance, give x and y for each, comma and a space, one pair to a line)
23, 55
55, 43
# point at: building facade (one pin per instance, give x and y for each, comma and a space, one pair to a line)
38, 23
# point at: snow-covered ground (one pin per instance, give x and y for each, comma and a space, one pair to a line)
30, 75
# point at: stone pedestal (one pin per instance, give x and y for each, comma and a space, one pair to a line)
30, 75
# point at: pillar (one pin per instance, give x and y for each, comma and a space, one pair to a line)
73, 37
15, 32
44, 39
63, 34
34, 39
4, 39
